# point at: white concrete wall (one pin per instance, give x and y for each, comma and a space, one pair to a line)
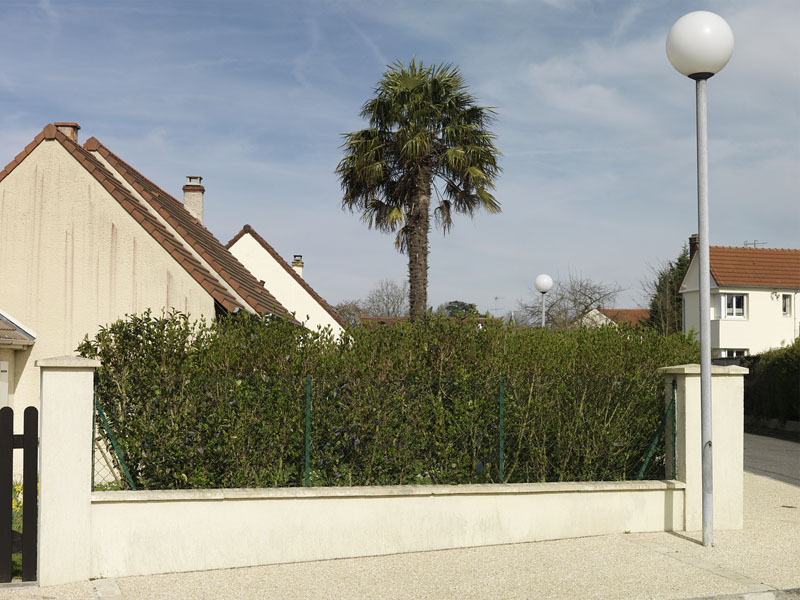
114, 534
727, 434
72, 259
282, 285
136, 533
65, 467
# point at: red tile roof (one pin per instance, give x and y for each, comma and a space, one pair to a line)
264, 244
755, 267
132, 205
634, 316
192, 231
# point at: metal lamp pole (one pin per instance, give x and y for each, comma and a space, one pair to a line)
543, 284
699, 45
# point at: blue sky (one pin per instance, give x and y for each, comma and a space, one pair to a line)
596, 128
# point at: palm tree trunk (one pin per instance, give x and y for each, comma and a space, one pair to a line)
419, 225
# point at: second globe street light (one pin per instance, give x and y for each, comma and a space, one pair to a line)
699, 45
543, 284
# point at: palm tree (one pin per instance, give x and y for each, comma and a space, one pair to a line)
425, 134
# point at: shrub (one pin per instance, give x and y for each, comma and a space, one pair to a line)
222, 404
772, 388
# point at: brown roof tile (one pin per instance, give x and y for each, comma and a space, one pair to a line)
755, 267
634, 316
134, 208
11, 334
286, 267
197, 236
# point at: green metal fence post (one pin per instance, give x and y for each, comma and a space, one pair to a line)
94, 432
659, 433
502, 432
674, 427
308, 430
116, 447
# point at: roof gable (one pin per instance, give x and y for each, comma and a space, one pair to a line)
247, 230
194, 234
133, 206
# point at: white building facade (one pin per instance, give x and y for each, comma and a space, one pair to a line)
754, 296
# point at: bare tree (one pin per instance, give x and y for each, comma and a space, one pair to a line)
567, 302
350, 311
387, 299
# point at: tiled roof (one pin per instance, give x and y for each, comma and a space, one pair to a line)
264, 244
11, 334
132, 205
198, 237
755, 267
634, 316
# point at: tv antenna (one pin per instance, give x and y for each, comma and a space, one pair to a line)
496, 298
754, 244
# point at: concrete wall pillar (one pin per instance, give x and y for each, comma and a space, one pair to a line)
65, 469
727, 441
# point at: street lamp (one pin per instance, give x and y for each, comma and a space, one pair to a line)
543, 284
699, 45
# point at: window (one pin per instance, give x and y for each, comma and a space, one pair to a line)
733, 352
734, 306
786, 305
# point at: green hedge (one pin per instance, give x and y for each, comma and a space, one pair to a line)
772, 388
222, 404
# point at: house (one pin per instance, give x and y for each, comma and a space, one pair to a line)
599, 317
14, 338
86, 239
754, 294
285, 282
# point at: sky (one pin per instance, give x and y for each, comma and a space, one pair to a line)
596, 128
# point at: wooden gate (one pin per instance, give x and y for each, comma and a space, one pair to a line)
11, 499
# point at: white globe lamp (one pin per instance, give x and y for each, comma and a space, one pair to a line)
543, 284
700, 44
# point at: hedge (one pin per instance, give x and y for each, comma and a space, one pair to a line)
772, 388
221, 404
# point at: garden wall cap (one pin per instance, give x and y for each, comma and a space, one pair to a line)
69, 362
694, 369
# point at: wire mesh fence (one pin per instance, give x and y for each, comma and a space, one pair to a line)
331, 432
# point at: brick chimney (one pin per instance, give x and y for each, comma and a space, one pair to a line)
193, 196
297, 264
694, 244
69, 129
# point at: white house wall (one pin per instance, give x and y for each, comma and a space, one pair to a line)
72, 259
764, 327
282, 285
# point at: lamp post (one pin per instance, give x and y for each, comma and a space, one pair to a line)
699, 45
543, 284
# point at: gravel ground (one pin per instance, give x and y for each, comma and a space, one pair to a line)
760, 559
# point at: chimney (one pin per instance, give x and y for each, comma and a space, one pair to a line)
297, 264
69, 129
193, 196
694, 244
